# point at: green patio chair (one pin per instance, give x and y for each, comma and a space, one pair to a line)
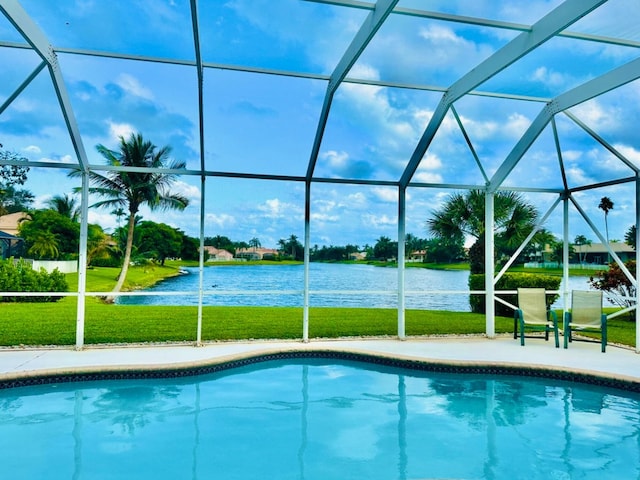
586, 315
533, 314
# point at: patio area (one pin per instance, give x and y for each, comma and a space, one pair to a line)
503, 353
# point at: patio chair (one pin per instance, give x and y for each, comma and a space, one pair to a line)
534, 315
586, 315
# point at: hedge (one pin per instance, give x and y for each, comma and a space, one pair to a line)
19, 276
511, 281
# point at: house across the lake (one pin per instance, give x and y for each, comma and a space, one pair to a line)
218, 254
258, 253
597, 254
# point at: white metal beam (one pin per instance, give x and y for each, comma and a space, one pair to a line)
22, 86
557, 20
39, 42
367, 30
588, 90
402, 214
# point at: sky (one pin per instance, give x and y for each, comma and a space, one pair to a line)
256, 123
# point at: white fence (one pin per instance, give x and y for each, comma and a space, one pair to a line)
64, 266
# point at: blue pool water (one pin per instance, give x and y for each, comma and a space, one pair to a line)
320, 419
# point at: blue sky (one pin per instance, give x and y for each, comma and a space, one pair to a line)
265, 124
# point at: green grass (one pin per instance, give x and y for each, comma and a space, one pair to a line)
55, 323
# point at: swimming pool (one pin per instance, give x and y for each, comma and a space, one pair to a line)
323, 418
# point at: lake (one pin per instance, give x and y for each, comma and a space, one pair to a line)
330, 285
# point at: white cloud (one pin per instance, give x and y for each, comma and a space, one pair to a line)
366, 72
220, 220
629, 153
274, 208
324, 218
191, 192
32, 149
335, 159
379, 221
516, 125
386, 194
132, 85
117, 130
427, 177
577, 176
596, 116
548, 77
439, 34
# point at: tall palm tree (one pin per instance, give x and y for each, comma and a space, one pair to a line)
255, 243
131, 190
606, 205
65, 205
45, 245
463, 215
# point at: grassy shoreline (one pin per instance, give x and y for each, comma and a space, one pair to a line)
55, 323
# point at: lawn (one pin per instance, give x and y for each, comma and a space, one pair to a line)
55, 323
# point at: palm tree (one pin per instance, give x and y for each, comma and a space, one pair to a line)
580, 241
606, 205
65, 205
119, 213
255, 243
131, 190
463, 215
45, 245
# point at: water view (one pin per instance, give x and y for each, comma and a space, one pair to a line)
331, 285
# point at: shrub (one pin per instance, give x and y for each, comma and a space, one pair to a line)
617, 288
20, 277
511, 281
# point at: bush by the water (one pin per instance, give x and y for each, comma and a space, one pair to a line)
19, 276
511, 281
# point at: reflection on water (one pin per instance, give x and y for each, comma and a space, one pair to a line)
344, 286
320, 420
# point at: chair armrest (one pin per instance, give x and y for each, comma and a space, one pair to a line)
554, 316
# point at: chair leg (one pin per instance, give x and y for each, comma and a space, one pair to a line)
522, 332
567, 334
555, 331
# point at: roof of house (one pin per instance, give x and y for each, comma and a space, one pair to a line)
600, 248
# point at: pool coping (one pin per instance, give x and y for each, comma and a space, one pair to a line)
293, 351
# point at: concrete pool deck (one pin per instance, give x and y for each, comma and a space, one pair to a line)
618, 363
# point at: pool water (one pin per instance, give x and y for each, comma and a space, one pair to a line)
320, 419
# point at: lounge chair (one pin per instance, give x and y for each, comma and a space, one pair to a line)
586, 314
533, 314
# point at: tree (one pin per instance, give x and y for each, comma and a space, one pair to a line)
65, 205
580, 241
99, 245
11, 199
190, 249
616, 286
463, 215
385, 249
292, 248
131, 190
42, 227
44, 245
606, 205
119, 213
158, 241
442, 250
630, 236
255, 243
